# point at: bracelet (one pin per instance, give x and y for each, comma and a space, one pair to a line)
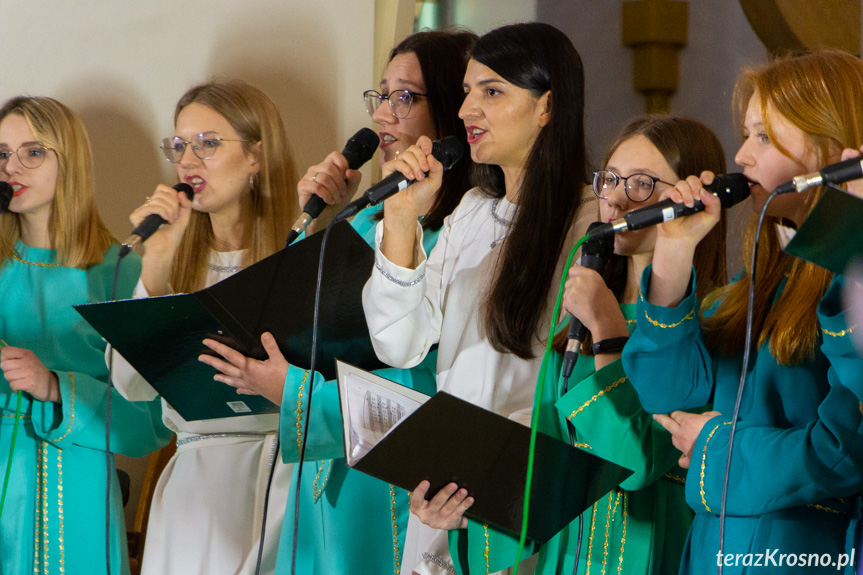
610, 345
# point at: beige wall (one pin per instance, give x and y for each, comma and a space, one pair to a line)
123, 65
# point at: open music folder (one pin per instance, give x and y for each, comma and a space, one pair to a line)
161, 336
404, 437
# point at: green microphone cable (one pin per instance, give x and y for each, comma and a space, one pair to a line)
536, 401
12, 447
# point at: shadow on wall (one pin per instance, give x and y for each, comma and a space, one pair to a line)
128, 162
289, 78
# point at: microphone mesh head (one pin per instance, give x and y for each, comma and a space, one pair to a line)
5, 196
360, 148
448, 151
731, 189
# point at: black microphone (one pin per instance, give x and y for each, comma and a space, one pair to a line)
447, 151
595, 253
358, 150
151, 223
6, 194
837, 173
731, 189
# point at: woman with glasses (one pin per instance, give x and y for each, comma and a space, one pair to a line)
351, 522
56, 253
640, 526
483, 293
229, 145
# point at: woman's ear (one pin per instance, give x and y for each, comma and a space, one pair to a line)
257, 152
544, 107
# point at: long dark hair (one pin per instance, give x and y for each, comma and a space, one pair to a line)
539, 58
443, 60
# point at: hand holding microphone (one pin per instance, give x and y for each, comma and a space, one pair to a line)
334, 181
166, 206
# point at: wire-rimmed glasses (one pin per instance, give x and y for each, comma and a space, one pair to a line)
204, 146
400, 101
638, 187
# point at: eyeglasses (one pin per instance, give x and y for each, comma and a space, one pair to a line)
637, 187
31, 155
204, 145
400, 101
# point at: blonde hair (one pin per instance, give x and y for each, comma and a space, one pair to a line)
819, 93
75, 228
255, 118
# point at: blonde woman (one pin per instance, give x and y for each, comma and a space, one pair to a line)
229, 145
55, 253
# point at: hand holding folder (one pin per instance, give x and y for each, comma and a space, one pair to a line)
404, 437
162, 336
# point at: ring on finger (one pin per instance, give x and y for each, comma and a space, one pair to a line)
147, 201
314, 177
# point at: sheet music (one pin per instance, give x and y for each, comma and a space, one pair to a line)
373, 411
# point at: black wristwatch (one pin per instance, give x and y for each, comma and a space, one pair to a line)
610, 345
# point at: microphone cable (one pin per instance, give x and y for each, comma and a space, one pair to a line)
744, 368
12, 446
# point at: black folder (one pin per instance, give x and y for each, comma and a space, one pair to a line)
831, 236
161, 336
448, 439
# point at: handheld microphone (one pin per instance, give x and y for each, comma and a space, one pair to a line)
594, 255
358, 150
837, 173
447, 151
151, 223
731, 189
6, 194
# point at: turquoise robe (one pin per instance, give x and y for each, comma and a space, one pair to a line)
639, 527
54, 517
350, 522
797, 464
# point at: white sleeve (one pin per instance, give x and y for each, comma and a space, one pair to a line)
402, 306
127, 380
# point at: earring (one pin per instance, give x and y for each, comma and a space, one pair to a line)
252, 181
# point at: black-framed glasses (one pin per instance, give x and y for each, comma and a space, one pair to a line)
31, 155
204, 145
400, 101
638, 187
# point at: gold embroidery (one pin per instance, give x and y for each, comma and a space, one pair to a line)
704, 462
40, 494
395, 529
300, 412
675, 478
595, 397
71, 408
23, 417
590, 538
40, 264
623, 536
45, 557
690, 315
630, 321
315, 490
60, 510
486, 554
582, 445
822, 508
842, 333
611, 512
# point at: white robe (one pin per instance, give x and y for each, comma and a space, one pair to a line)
206, 513
409, 310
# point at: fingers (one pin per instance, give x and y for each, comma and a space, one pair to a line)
271, 347
231, 355
667, 422
445, 510
327, 181
164, 202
